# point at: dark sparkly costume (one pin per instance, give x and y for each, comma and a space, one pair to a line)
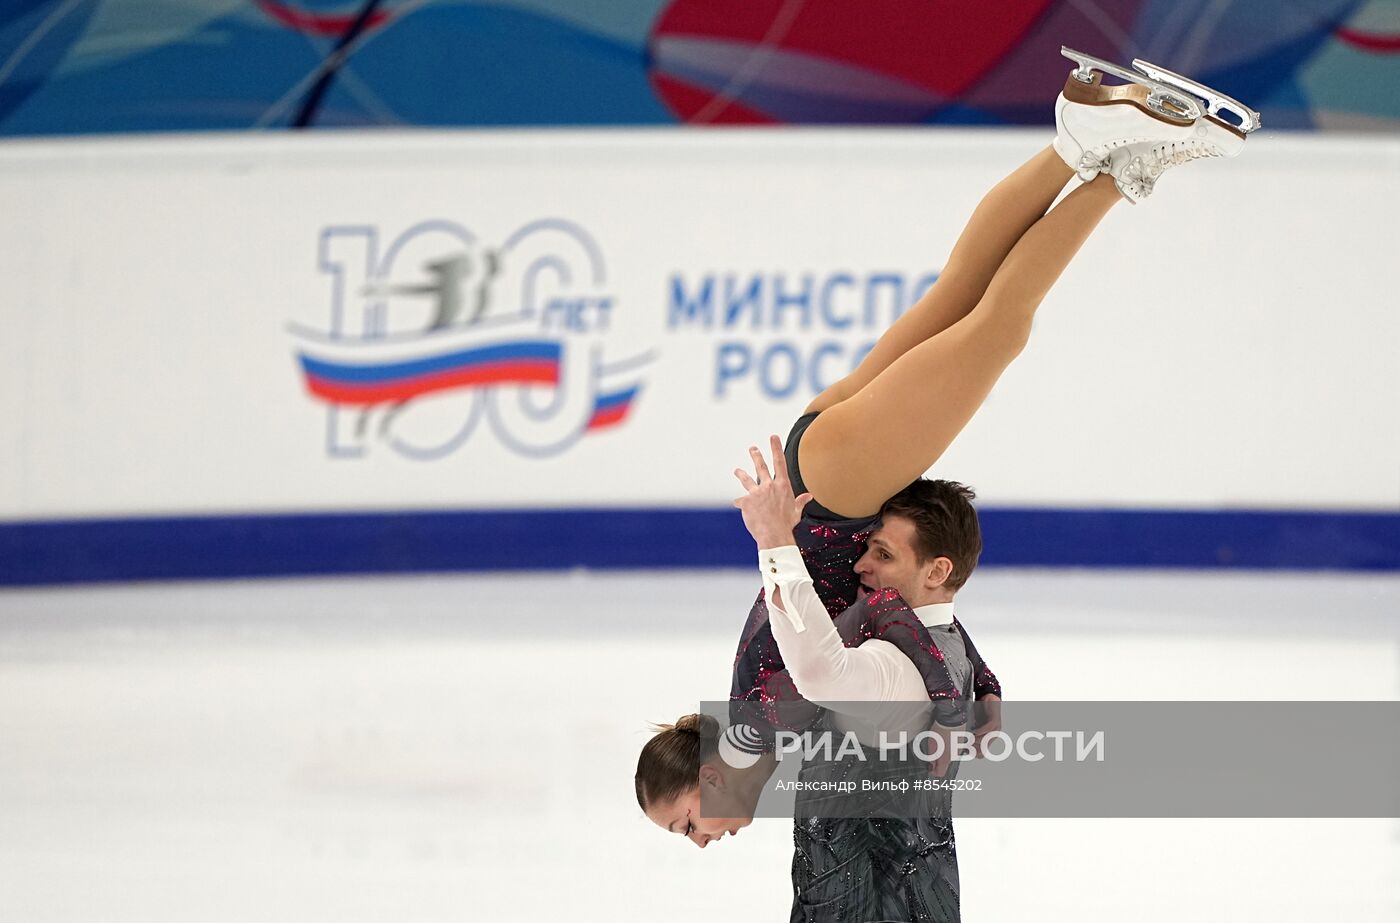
830, 547
853, 870
760, 680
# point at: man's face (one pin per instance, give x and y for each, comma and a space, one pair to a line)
890, 561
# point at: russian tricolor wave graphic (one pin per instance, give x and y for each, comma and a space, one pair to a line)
366, 373
378, 373
611, 409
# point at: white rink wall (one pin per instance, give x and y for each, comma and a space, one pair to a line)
1229, 343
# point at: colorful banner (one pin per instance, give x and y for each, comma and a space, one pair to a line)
93, 66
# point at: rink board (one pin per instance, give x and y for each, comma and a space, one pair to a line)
444, 351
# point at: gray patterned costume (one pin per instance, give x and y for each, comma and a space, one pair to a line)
879, 868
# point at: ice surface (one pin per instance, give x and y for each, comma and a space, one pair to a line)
461, 748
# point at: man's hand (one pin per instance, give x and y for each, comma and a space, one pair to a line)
770, 510
989, 710
938, 768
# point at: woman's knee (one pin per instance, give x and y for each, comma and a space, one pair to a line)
1005, 327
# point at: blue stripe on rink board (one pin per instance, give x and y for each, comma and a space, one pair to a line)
70, 551
609, 401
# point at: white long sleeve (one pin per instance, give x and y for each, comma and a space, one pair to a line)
822, 668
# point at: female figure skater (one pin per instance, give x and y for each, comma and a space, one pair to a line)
877, 430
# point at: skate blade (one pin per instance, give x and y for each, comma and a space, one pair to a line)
1215, 100
1158, 99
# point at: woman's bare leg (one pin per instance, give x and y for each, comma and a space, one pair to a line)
864, 449
1004, 214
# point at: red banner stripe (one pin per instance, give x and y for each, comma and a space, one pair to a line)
315, 23
610, 417
1369, 41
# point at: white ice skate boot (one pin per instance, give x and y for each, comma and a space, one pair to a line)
1137, 167
1093, 120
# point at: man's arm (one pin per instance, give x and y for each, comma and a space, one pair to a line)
822, 668
986, 688
984, 681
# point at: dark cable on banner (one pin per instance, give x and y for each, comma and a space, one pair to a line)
312, 103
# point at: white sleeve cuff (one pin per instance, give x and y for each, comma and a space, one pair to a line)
783, 569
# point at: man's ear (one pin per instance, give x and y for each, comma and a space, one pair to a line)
937, 572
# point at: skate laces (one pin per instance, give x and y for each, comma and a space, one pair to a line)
1143, 169
1162, 157
1174, 153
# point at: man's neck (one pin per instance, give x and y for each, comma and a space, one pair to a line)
931, 597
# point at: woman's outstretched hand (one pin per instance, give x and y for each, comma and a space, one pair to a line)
770, 510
